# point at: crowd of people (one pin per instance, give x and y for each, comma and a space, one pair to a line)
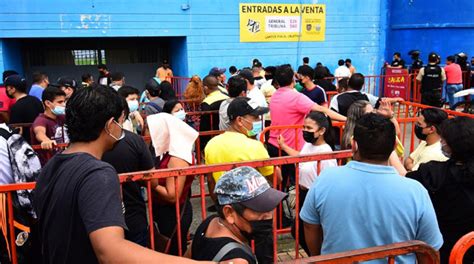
432, 76
81, 214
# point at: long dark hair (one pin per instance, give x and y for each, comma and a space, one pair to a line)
324, 121
458, 133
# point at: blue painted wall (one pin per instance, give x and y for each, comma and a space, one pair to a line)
208, 30
446, 27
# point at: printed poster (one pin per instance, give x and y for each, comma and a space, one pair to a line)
282, 22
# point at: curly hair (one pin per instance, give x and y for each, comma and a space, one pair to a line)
195, 89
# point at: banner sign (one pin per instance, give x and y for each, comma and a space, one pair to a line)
282, 22
396, 82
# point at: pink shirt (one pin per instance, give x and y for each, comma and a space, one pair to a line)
453, 73
5, 101
288, 107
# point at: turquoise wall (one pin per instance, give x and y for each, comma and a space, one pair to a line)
209, 30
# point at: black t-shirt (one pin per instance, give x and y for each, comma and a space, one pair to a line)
451, 189
75, 195
205, 123
129, 155
204, 248
327, 85
399, 62
25, 110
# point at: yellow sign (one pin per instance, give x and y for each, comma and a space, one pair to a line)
282, 22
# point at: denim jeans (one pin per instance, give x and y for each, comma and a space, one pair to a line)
451, 89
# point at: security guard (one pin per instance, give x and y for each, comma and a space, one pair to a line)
431, 78
417, 62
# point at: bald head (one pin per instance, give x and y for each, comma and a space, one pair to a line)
210, 84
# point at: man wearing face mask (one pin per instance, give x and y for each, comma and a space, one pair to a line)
48, 128
427, 129
26, 108
68, 85
77, 196
366, 203
237, 144
245, 211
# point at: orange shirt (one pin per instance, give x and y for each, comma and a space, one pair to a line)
164, 74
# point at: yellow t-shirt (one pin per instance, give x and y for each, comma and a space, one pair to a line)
424, 153
235, 147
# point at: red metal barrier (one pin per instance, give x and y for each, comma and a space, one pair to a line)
176, 172
179, 85
460, 248
425, 254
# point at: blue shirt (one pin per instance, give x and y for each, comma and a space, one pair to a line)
37, 91
363, 205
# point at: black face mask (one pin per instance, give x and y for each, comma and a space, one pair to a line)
300, 82
260, 229
268, 77
419, 133
309, 137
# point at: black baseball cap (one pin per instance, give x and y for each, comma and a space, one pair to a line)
241, 106
15, 81
66, 82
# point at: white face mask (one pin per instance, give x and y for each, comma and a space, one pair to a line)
122, 135
180, 114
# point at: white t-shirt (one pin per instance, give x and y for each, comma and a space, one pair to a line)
309, 170
224, 122
6, 174
342, 71
257, 96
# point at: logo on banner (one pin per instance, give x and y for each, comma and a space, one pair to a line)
253, 26
308, 27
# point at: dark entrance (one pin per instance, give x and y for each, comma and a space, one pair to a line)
137, 58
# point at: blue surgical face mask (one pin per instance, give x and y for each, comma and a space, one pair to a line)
59, 110
132, 105
180, 114
257, 128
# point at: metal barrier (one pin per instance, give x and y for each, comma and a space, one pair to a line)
425, 254
179, 85
191, 171
460, 248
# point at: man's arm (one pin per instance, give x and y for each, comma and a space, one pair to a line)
409, 164
40, 134
333, 115
314, 238
110, 246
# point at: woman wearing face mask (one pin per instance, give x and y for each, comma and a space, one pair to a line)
450, 184
172, 142
245, 213
360, 108
175, 108
319, 137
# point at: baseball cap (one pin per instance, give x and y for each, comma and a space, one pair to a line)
241, 106
15, 81
248, 75
216, 71
66, 82
247, 186
153, 86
